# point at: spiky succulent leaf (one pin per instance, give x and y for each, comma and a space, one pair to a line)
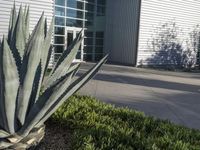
76, 85
67, 57
10, 84
44, 54
68, 52
29, 68
20, 33
26, 59
4, 134
12, 23
36, 86
45, 101
27, 19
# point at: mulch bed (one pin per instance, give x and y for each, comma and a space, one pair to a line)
56, 137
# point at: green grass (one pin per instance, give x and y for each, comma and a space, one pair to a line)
99, 126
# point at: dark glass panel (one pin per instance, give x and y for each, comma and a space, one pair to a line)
88, 23
74, 13
78, 56
98, 57
88, 41
59, 39
74, 23
88, 34
90, 1
100, 34
89, 16
101, 2
59, 11
75, 4
88, 49
99, 42
69, 38
59, 49
99, 49
87, 57
100, 11
89, 7
60, 2
59, 21
59, 30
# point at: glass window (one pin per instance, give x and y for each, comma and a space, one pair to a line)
74, 13
59, 30
88, 41
59, 21
59, 11
56, 57
90, 1
59, 49
99, 34
60, 2
100, 11
101, 2
74, 23
99, 41
89, 16
89, 7
88, 49
59, 40
88, 34
88, 23
98, 57
74, 4
99, 49
87, 57
78, 56
69, 38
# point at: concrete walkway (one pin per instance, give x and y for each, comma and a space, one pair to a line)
166, 95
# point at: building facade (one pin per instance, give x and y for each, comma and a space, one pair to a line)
125, 29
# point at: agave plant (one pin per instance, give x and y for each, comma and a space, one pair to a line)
28, 97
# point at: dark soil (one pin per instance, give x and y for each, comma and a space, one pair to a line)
56, 137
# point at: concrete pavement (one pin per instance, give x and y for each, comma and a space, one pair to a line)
166, 95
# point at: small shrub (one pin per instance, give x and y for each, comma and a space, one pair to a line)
100, 126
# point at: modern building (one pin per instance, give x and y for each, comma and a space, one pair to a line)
123, 28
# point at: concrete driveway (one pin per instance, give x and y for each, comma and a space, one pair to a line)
166, 95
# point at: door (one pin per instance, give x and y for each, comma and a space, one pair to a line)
71, 34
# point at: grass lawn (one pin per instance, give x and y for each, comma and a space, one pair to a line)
98, 126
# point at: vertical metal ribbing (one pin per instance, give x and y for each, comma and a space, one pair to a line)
121, 30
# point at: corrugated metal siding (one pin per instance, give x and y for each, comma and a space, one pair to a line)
186, 14
36, 9
122, 18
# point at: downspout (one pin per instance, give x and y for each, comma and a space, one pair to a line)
138, 31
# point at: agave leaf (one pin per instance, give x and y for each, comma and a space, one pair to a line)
10, 85
29, 68
48, 59
68, 51
5, 144
44, 103
74, 68
64, 65
76, 85
36, 87
47, 44
3, 134
3, 123
45, 27
19, 32
12, 23
27, 19
45, 54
